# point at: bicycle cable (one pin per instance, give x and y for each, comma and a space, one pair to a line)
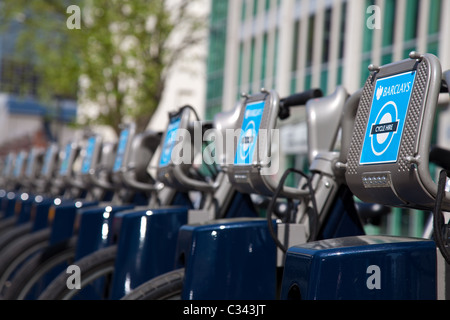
207, 166
313, 215
438, 219
187, 106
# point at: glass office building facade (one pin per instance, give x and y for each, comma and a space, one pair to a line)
294, 45
216, 57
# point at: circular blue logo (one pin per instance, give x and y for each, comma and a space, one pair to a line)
384, 128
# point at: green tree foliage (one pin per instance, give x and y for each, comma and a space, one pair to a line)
119, 57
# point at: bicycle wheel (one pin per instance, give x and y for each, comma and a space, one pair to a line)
36, 268
17, 252
6, 224
92, 268
167, 286
14, 233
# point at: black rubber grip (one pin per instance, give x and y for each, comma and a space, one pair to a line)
440, 156
301, 98
445, 82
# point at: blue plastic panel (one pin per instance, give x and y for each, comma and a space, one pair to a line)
228, 259
95, 228
146, 246
361, 268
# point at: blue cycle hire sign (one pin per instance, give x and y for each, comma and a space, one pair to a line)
47, 159
18, 165
87, 160
387, 118
249, 133
169, 142
63, 170
30, 161
123, 139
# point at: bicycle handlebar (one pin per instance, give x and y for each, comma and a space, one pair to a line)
297, 99
440, 156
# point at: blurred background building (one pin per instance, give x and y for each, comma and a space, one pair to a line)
294, 45
24, 121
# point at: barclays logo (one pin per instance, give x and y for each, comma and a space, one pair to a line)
252, 113
393, 90
379, 92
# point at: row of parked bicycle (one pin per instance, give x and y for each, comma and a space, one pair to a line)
162, 216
